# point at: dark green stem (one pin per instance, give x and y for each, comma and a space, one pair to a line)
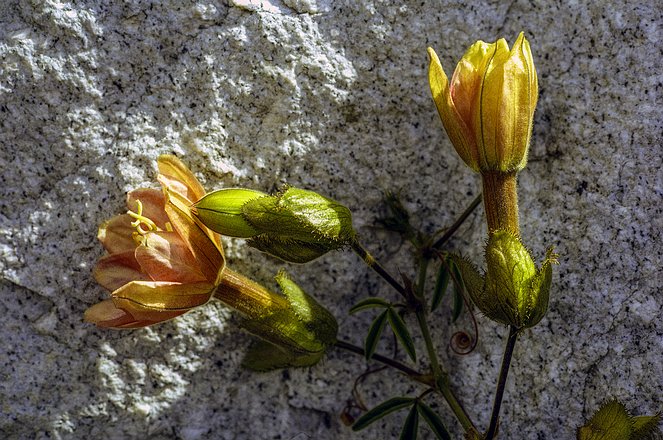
501, 383
373, 264
414, 374
441, 386
453, 228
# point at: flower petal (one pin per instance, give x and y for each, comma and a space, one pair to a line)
153, 203
115, 234
105, 314
488, 117
176, 177
157, 301
203, 243
460, 133
164, 256
115, 270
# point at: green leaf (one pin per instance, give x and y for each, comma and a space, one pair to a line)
374, 333
383, 409
369, 303
411, 425
434, 421
457, 293
402, 333
441, 284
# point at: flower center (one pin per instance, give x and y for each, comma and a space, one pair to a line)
142, 224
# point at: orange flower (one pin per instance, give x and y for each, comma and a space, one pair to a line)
161, 262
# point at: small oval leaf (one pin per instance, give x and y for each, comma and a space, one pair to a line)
411, 426
434, 422
374, 333
368, 303
400, 330
391, 405
441, 284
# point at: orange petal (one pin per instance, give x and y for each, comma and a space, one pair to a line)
176, 177
164, 256
202, 242
153, 203
157, 301
115, 270
115, 234
106, 315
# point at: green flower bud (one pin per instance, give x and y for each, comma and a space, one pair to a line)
295, 336
512, 291
221, 211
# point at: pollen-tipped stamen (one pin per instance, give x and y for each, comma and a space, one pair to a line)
142, 224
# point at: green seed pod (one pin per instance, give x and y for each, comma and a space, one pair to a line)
221, 211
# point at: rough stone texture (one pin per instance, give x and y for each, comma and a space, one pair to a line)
332, 96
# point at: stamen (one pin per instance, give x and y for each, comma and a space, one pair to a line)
142, 224
169, 227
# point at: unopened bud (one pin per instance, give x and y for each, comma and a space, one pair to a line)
221, 211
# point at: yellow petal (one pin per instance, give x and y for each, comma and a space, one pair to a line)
115, 270
457, 129
176, 177
488, 116
164, 256
203, 243
158, 301
115, 234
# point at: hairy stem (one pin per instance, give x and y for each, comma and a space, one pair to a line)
373, 264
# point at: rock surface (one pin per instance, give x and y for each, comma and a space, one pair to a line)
331, 96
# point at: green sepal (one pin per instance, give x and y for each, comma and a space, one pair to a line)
512, 291
411, 425
315, 317
383, 409
434, 422
402, 334
221, 211
645, 427
301, 215
264, 356
290, 250
369, 303
302, 331
610, 422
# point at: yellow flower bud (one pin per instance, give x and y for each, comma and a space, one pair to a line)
488, 107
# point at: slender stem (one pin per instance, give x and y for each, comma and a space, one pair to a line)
373, 264
501, 383
452, 230
441, 387
430, 348
457, 409
414, 374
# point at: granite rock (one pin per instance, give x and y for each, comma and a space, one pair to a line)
331, 96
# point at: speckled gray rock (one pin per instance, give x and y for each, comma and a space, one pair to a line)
332, 96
